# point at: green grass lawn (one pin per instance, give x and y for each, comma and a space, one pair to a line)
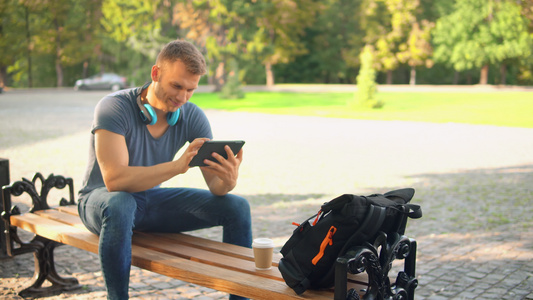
514, 109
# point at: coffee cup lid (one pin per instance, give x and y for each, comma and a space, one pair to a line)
263, 243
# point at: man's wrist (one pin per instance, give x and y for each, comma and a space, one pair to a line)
222, 188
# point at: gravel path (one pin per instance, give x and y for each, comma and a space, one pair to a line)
474, 184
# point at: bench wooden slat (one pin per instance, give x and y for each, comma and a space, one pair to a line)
71, 209
62, 217
229, 250
198, 249
170, 240
57, 231
219, 278
222, 248
205, 256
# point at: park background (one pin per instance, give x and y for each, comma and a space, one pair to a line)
47, 43
305, 143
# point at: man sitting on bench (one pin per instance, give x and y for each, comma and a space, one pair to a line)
135, 135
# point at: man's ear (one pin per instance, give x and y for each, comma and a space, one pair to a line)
156, 73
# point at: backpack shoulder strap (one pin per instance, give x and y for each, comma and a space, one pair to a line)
413, 211
370, 226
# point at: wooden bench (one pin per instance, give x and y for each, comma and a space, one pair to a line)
224, 267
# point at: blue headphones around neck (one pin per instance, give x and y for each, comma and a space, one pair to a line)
148, 115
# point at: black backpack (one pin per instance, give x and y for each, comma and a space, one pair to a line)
310, 253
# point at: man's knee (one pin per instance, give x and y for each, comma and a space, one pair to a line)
120, 205
237, 210
101, 206
238, 204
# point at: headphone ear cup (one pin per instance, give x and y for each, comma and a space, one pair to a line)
172, 118
152, 118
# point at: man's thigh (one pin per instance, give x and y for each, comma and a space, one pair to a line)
100, 204
180, 209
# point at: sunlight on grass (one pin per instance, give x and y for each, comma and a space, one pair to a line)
500, 109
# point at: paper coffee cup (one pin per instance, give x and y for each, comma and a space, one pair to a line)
263, 249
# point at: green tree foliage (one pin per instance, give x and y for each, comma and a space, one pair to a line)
135, 31
54, 42
220, 26
526, 63
417, 50
123, 19
512, 39
21, 28
337, 40
482, 32
388, 23
279, 27
45, 37
12, 24
69, 33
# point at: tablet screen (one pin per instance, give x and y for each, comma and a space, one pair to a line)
205, 152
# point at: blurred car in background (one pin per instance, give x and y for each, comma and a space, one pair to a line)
105, 81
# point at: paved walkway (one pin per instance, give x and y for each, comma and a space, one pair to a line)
475, 240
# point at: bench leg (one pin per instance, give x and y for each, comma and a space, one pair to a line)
406, 280
45, 270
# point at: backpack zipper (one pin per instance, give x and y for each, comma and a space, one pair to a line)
328, 240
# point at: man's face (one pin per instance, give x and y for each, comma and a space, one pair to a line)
173, 85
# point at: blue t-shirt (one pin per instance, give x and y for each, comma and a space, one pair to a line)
119, 113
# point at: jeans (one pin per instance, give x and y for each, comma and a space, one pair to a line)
114, 215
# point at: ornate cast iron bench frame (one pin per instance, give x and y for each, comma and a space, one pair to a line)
42, 248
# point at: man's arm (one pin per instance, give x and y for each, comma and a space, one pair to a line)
221, 178
112, 155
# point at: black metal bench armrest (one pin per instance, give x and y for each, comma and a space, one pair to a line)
39, 202
376, 259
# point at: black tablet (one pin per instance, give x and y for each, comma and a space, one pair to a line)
205, 152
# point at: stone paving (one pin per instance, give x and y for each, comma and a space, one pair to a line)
474, 184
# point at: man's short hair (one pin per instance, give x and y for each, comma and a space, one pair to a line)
186, 52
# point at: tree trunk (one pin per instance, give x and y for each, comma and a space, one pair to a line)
59, 73
412, 78
3, 69
85, 72
3, 76
389, 76
503, 74
268, 65
210, 75
28, 40
59, 51
101, 62
220, 76
484, 76
456, 77
269, 74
